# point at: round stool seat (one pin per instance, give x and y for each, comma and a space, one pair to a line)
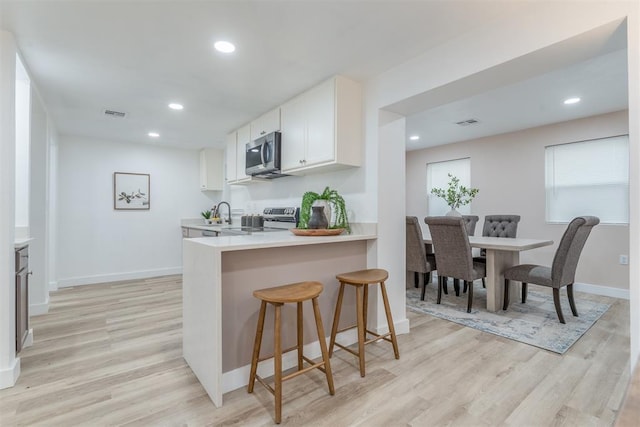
364, 277
294, 292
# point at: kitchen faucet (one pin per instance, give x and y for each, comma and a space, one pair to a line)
228, 220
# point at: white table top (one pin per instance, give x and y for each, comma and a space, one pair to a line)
503, 243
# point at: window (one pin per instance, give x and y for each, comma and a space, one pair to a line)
437, 176
588, 178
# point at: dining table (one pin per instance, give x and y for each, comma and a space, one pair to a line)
501, 253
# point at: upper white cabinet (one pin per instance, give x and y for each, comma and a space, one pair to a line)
244, 136
267, 123
230, 154
322, 128
211, 169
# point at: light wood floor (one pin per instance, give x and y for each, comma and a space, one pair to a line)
110, 354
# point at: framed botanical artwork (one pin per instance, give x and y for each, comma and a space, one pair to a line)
131, 191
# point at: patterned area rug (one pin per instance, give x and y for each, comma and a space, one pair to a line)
534, 323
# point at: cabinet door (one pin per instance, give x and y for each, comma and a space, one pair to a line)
265, 124
320, 146
244, 136
294, 134
230, 154
211, 169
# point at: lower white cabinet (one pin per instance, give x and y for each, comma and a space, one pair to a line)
322, 128
211, 169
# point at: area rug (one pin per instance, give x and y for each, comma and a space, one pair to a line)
534, 323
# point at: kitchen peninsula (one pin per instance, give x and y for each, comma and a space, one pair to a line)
220, 312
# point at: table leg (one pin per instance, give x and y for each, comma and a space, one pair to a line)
497, 262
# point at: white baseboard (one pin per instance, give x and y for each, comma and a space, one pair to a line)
601, 290
53, 286
9, 376
28, 342
239, 377
38, 309
115, 277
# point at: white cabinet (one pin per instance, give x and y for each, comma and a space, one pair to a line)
211, 169
244, 136
265, 124
230, 155
322, 128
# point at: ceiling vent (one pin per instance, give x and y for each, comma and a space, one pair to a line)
468, 122
115, 114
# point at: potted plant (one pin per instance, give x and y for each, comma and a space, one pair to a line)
333, 203
207, 216
456, 195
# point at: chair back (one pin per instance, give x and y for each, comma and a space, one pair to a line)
416, 252
451, 246
470, 222
501, 225
565, 261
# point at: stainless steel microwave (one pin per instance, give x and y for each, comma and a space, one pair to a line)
262, 157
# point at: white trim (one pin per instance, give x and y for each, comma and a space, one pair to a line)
8, 377
53, 285
144, 274
601, 290
28, 342
38, 309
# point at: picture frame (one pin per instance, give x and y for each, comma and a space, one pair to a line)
131, 191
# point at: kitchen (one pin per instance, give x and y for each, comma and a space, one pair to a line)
142, 244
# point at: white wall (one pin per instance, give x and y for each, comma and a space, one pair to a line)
22, 125
509, 171
9, 364
96, 243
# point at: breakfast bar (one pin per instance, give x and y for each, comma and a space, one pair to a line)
220, 313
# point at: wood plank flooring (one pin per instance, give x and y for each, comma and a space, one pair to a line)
110, 354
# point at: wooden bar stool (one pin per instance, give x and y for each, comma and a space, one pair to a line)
296, 292
362, 279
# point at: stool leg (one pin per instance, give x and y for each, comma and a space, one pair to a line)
300, 336
361, 334
365, 308
392, 329
336, 319
256, 347
323, 345
277, 363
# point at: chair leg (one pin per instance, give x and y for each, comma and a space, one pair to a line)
445, 282
336, 319
464, 289
392, 329
424, 289
484, 285
524, 292
470, 297
440, 282
256, 347
556, 302
427, 277
572, 303
323, 345
416, 279
456, 286
505, 304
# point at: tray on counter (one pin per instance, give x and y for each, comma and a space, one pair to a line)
317, 231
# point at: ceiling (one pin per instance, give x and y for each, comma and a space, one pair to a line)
138, 56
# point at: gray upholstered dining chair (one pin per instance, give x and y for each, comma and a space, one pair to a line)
470, 222
498, 226
563, 269
453, 253
418, 260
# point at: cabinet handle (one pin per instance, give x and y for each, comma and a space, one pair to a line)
262, 133
31, 272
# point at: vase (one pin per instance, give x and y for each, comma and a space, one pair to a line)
453, 212
327, 209
318, 218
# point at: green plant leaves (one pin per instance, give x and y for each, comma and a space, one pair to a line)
456, 195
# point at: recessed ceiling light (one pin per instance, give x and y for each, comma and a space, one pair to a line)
569, 101
224, 46
414, 137
176, 106
153, 134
